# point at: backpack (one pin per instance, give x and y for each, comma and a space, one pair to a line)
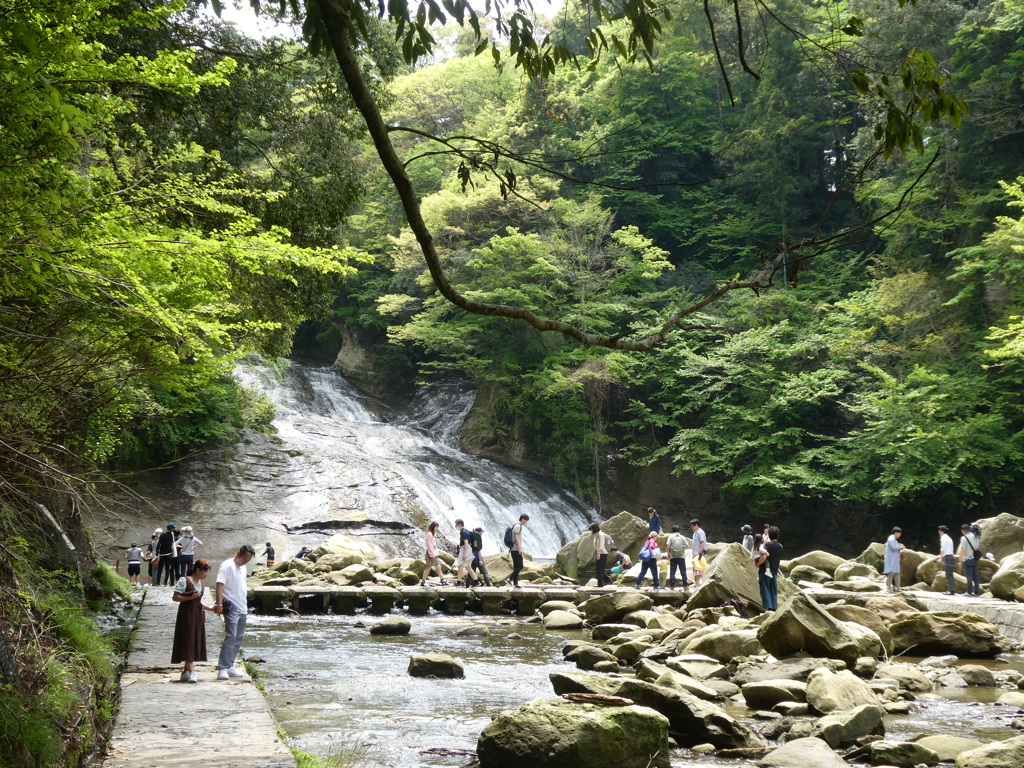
736, 603
677, 545
509, 539
476, 541
976, 530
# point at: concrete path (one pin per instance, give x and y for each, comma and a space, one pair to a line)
163, 723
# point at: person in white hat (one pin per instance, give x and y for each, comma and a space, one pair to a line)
186, 550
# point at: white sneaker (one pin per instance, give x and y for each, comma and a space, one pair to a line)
234, 672
184, 676
222, 674
193, 677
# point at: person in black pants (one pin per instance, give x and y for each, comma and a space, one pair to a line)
774, 550
517, 550
167, 550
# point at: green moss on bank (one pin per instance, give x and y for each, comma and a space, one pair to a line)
58, 687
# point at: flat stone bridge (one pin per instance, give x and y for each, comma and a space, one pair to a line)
490, 601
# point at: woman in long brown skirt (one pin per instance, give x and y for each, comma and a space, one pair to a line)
190, 626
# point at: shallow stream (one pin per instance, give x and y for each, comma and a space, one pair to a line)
333, 686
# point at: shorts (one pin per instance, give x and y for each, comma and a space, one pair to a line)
134, 569
433, 561
465, 560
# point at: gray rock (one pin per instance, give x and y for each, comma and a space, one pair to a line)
588, 656
947, 747
841, 729
807, 573
904, 754
1009, 577
832, 691
563, 620
864, 617
554, 733
677, 681
767, 693
802, 625
725, 646
852, 568
556, 605
951, 680
607, 631
439, 665
474, 630
997, 754
576, 559
975, 674
697, 666
1002, 535
938, 662
821, 561
908, 676
791, 708
955, 632
785, 669
605, 609
393, 625
807, 752
691, 720
874, 556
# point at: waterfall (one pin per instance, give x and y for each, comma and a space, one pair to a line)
340, 455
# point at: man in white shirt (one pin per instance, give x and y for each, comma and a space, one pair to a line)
231, 602
947, 559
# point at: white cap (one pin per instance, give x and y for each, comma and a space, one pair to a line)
158, 530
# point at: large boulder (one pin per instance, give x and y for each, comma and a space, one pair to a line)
803, 625
864, 617
610, 608
350, 575
948, 748
996, 754
822, 561
563, 620
1009, 577
874, 556
724, 646
733, 575
576, 559
888, 606
393, 625
767, 693
844, 728
691, 720
910, 561
1002, 535
942, 632
926, 571
807, 573
851, 569
439, 665
903, 754
909, 677
554, 733
829, 691
347, 549
589, 656
810, 752
788, 669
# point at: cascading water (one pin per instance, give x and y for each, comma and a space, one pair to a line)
341, 457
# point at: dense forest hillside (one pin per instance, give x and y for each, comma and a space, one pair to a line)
809, 218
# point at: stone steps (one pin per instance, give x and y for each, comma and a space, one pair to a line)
417, 601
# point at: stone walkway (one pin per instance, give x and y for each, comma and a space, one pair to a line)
163, 723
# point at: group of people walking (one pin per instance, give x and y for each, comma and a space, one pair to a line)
169, 555
967, 555
470, 566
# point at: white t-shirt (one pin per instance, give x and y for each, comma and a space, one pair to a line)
233, 578
945, 545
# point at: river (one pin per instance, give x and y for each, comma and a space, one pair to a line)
332, 685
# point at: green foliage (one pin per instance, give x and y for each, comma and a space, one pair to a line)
58, 713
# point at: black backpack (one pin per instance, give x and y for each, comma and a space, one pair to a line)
476, 541
510, 539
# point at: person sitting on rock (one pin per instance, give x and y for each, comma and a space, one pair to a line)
620, 561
